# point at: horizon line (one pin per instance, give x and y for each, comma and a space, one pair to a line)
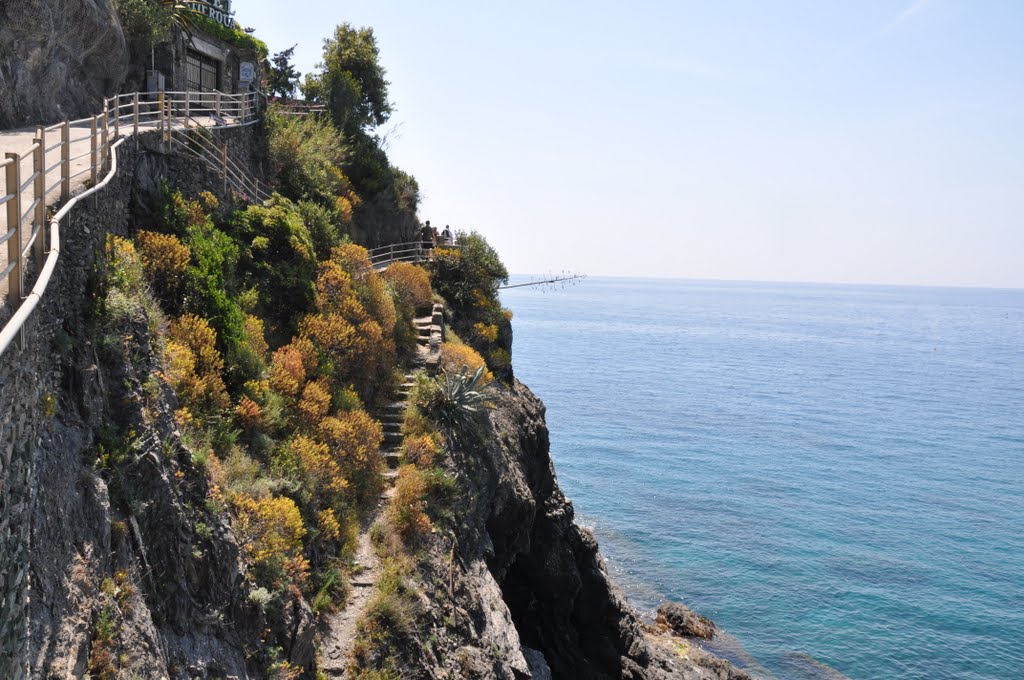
788, 282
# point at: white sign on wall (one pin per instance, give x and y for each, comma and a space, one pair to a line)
218, 10
246, 72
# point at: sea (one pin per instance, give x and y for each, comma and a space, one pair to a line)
834, 474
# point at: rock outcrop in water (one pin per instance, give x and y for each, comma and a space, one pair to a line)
684, 622
58, 59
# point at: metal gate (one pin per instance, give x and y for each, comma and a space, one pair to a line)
201, 72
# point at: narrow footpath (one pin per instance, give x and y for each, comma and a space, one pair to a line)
338, 629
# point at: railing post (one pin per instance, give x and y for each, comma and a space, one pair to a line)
105, 146
117, 116
39, 189
65, 161
217, 102
160, 112
14, 222
92, 157
188, 108
224, 164
135, 113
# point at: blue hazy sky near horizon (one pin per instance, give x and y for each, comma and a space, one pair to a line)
868, 142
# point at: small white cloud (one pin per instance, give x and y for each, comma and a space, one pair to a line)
904, 16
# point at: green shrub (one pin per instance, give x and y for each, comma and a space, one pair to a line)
306, 154
232, 36
325, 224
277, 260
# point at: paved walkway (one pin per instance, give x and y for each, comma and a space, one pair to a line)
20, 141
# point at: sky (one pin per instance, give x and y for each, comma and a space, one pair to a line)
877, 141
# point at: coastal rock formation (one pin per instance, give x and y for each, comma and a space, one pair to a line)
684, 622
58, 59
135, 570
525, 586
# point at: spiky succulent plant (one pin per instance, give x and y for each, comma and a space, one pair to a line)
459, 398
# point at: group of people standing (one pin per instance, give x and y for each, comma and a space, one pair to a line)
429, 233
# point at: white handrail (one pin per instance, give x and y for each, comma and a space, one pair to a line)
30, 188
17, 322
383, 257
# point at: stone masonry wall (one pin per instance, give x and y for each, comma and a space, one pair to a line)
30, 377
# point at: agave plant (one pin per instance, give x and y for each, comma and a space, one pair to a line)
459, 398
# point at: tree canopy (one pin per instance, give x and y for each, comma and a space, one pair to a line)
351, 80
282, 78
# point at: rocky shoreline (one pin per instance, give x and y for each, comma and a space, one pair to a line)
530, 583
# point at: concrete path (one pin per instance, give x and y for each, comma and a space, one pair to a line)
20, 141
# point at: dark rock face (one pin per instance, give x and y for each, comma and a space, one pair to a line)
570, 618
58, 58
684, 622
184, 611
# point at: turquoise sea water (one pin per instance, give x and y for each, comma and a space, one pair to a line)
831, 473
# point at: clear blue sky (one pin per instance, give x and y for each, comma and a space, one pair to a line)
873, 141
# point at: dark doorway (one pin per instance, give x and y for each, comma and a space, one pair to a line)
201, 72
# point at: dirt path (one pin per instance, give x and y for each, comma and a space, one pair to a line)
338, 629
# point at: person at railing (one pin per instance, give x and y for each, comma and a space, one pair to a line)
446, 236
428, 235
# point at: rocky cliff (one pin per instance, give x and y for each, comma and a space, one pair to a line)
515, 588
104, 512
135, 570
58, 59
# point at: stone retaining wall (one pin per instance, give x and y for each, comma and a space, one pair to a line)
30, 376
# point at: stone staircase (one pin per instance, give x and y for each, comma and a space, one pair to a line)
338, 629
429, 335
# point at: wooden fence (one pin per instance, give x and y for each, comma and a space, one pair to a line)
70, 154
415, 252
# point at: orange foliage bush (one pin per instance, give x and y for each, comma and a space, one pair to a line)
353, 436
354, 344
194, 367
249, 413
314, 404
164, 257
313, 465
369, 286
421, 450
270, 532
287, 372
455, 357
407, 511
411, 284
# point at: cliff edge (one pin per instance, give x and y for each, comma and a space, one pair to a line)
515, 588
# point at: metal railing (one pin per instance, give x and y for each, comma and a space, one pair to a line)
14, 326
295, 107
193, 139
410, 251
69, 154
